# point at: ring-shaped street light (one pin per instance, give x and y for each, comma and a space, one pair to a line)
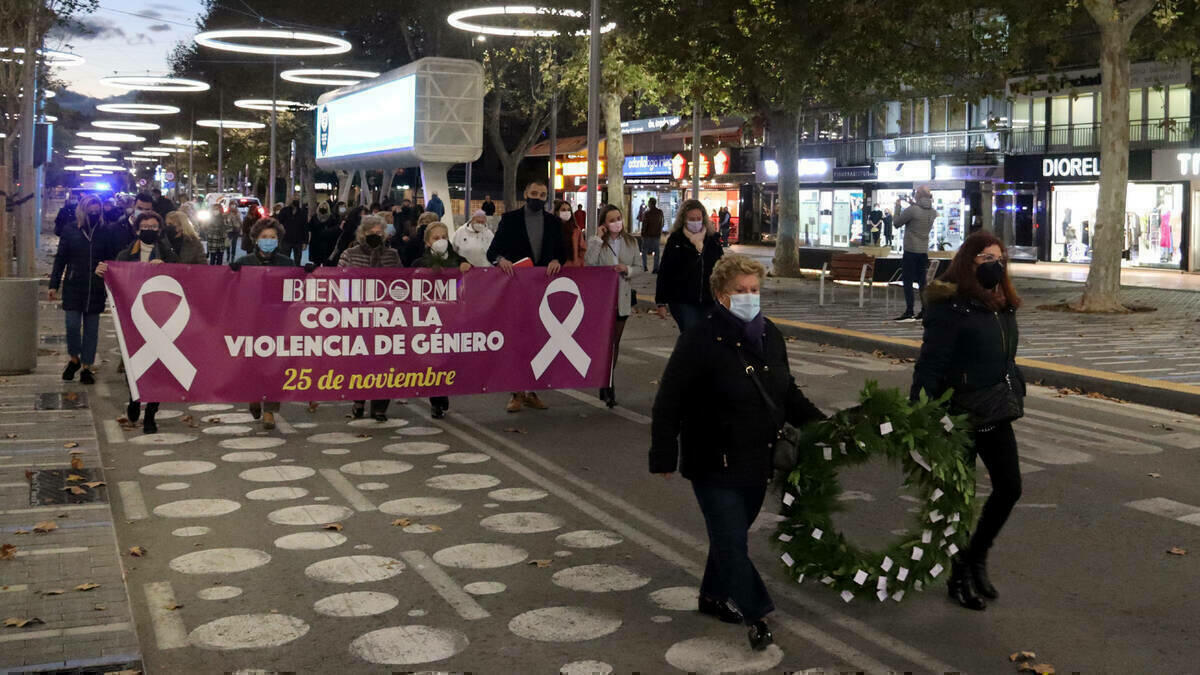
94, 158
161, 149
264, 105
332, 77
220, 39
141, 159
126, 126
229, 124
182, 141
151, 83
101, 168
149, 153
456, 20
75, 167
137, 109
52, 57
94, 148
110, 137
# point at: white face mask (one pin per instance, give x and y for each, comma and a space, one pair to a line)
616, 226
695, 226
478, 226
440, 246
564, 216
744, 306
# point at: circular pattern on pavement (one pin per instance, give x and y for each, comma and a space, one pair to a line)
196, 508
158, 453
335, 451
586, 668
337, 438
393, 423
220, 561
248, 631
250, 456
677, 598
376, 467
274, 474
416, 448
177, 468
526, 522
480, 556
419, 431
252, 443
518, 494
464, 458
713, 655
210, 407
227, 430
661, 618
218, 593
305, 425
564, 624
191, 531
462, 481
276, 494
418, 528
310, 541
419, 506
228, 418
164, 414
589, 539
406, 645
485, 588
359, 603
309, 514
599, 578
171, 487
370, 487
354, 569
162, 439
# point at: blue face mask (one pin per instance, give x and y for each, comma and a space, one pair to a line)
744, 306
268, 245
391, 231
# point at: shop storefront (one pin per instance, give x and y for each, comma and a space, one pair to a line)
719, 187
1181, 238
1067, 189
649, 177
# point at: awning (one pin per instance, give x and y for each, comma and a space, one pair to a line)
573, 145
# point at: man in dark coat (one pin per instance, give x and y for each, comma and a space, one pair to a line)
489, 207
529, 232
161, 205
295, 226
652, 227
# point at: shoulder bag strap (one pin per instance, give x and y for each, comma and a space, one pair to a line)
753, 373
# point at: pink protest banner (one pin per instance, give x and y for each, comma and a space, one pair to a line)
199, 333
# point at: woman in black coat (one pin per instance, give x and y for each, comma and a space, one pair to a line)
711, 422
687, 262
83, 244
970, 345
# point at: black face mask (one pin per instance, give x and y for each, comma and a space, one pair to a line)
148, 236
990, 274
534, 204
374, 240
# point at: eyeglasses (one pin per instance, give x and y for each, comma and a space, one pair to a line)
988, 257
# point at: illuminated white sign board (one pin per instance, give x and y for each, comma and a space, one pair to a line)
915, 170
1070, 167
1175, 164
811, 170
372, 121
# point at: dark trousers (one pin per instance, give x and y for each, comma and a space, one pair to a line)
997, 448
297, 252
729, 573
442, 402
377, 407
912, 271
651, 246
216, 257
687, 314
83, 332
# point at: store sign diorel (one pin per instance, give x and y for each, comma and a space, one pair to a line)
1071, 167
914, 170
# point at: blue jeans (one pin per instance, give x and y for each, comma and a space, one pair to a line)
912, 270
650, 246
729, 573
83, 332
687, 314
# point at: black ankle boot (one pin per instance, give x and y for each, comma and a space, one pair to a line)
977, 567
960, 587
69, 373
133, 411
149, 426
722, 610
760, 636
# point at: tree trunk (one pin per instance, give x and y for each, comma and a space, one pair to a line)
509, 170
615, 154
785, 133
511, 159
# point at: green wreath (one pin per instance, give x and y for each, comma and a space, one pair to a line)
931, 447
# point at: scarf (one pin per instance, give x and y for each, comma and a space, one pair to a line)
697, 239
754, 331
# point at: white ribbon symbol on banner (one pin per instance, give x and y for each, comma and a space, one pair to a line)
160, 340
562, 333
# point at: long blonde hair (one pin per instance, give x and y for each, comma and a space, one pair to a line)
681, 216
81, 209
182, 224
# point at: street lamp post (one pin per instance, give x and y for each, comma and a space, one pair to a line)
221, 144
274, 107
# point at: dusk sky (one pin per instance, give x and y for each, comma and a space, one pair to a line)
127, 37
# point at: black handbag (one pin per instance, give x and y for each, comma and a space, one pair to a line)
785, 454
1001, 402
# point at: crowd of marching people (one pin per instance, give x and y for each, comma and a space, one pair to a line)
727, 388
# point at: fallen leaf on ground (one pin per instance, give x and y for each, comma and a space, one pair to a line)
173, 606
76, 462
16, 622
312, 407
10, 435
1040, 669
21, 532
1102, 397
1154, 475
336, 527
87, 587
75, 490
70, 444
7, 552
1175, 550
70, 396
401, 522
1022, 656
137, 552
45, 526
541, 563
54, 591
364, 435
74, 478
94, 484
515, 430
189, 420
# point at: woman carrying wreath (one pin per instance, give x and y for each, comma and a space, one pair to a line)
711, 422
970, 346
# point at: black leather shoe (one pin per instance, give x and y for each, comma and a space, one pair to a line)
722, 610
71, 369
760, 636
438, 412
960, 587
86, 376
133, 411
256, 410
358, 410
977, 567
149, 426
379, 417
